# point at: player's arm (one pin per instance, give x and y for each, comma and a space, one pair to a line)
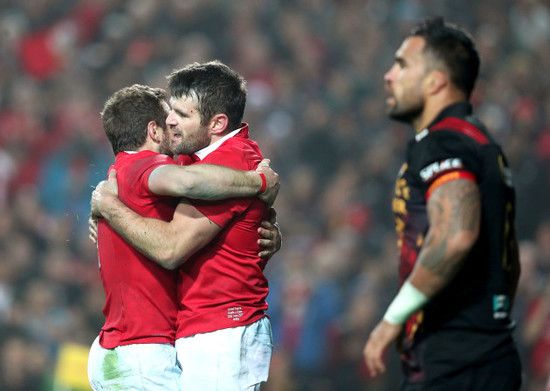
454, 213
155, 238
169, 244
213, 182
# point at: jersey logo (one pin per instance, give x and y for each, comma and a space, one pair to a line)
461, 126
501, 306
428, 172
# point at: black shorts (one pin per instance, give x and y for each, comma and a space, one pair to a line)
502, 374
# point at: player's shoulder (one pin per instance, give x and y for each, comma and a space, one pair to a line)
158, 158
242, 142
448, 141
244, 148
467, 129
137, 163
145, 155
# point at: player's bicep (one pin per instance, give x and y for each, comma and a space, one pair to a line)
455, 207
454, 213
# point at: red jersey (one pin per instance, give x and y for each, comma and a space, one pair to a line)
140, 296
223, 284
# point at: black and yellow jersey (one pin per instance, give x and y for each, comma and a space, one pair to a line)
469, 321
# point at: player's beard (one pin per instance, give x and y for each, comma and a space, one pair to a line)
406, 114
191, 143
165, 143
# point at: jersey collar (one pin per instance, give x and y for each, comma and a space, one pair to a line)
458, 110
240, 132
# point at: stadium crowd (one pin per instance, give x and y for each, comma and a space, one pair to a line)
316, 104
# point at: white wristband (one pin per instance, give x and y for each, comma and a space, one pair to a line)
408, 300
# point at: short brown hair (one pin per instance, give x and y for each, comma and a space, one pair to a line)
127, 113
216, 87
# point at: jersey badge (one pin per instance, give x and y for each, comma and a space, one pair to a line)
501, 306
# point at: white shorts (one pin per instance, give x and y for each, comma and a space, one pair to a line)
234, 359
142, 367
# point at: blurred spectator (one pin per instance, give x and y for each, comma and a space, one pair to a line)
536, 335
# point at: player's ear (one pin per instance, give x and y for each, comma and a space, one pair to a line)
436, 81
153, 130
218, 123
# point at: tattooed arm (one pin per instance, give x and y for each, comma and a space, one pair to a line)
454, 213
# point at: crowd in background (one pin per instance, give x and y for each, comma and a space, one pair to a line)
316, 106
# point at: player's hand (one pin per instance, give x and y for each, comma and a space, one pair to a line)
271, 237
379, 340
272, 181
92, 228
103, 194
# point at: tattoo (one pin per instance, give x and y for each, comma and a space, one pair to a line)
463, 196
454, 208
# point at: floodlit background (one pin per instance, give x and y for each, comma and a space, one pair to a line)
316, 106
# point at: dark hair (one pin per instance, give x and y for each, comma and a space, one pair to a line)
454, 47
216, 87
127, 113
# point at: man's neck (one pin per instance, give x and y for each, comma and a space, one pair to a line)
215, 143
149, 145
433, 107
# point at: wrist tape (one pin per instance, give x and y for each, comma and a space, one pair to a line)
408, 300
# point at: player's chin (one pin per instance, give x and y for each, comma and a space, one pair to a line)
391, 107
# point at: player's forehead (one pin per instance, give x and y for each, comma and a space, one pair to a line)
411, 49
184, 103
